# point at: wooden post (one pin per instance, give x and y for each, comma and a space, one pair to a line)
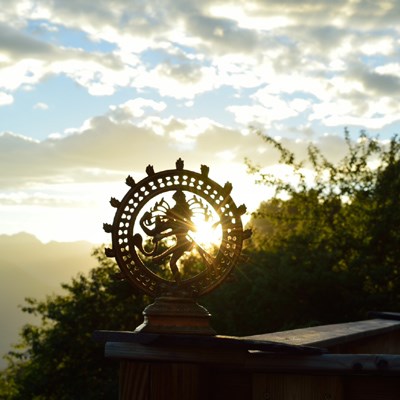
159, 381
297, 387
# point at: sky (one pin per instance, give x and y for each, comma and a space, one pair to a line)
93, 91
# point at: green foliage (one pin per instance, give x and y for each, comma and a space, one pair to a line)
59, 359
322, 251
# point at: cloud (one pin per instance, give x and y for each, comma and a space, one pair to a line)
180, 81
100, 75
221, 35
134, 108
200, 47
376, 83
268, 108
39, 199
27, 60
18, 45
41, 106
297, 69
110, 144
5, 99
322, 61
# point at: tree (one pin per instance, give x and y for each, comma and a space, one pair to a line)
330, 247
324, 250
59, 359
321, 252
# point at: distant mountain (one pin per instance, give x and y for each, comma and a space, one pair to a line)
30, 268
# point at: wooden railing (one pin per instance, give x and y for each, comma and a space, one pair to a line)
350, 361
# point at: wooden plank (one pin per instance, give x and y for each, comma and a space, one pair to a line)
296, 387
256, 360
201, 342
386, 343
327, 363
136, 351
134, 381
175, 382
372, 388
309, 387
331, 335
230, 385
159, 381
384, 315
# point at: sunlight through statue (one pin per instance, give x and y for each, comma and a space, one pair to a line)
176, 236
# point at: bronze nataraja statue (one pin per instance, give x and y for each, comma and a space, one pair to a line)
157, 222
163, 222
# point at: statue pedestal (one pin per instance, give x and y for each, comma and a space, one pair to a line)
176, 315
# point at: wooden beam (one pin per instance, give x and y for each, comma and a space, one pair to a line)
332, 335
257, 360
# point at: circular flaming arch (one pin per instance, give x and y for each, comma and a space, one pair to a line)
139, 213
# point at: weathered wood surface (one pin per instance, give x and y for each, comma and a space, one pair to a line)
140, 352
327, 363
254, 354
183, 381
297, 387
306, 387
384, 315
183, 367
258, 360
154, 381
332, 335
202, 342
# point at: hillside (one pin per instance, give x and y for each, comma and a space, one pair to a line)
30, 268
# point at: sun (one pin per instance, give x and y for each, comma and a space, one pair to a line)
208, 233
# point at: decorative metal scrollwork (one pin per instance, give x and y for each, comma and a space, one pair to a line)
156, 224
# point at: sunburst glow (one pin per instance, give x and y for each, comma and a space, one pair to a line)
208, 234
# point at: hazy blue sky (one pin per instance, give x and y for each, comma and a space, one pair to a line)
91, 91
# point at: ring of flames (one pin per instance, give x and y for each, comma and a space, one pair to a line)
126, 253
